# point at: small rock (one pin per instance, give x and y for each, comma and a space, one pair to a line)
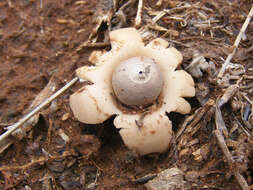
169, 179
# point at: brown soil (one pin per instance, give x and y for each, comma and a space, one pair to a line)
38, 42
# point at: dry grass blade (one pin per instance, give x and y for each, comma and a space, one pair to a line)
10, 3
220, 124
5, 144
92, 45
22, 131
36, 110
42, 96
5, 124
139, 13
241, 126
193, 120
41, 4
236, 43
221, 141
222, 130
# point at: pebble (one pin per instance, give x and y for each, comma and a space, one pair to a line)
169, 179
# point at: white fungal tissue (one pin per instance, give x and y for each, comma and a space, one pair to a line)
137, 83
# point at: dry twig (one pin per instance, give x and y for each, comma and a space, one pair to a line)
236, 44
139, 13
14, 127
220, 124
5, 124
144, 179
10, 4
41, 4
221, 129
40, 161
5, 144
241, 126
221, 141
92, 45
42, 96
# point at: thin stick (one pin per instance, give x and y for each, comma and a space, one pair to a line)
10, 3
92, 45
221, 130
41, 4
139, 12
236, 43
5, 124
12, 128
221, 142
179, 43
40, 161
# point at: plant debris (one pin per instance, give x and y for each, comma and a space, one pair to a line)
169, 179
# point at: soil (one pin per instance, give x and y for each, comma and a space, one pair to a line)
39, 42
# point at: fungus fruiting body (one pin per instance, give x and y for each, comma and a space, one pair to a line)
138, 84
137, 81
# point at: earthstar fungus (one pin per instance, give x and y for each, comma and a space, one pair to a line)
137, 81
151, 86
